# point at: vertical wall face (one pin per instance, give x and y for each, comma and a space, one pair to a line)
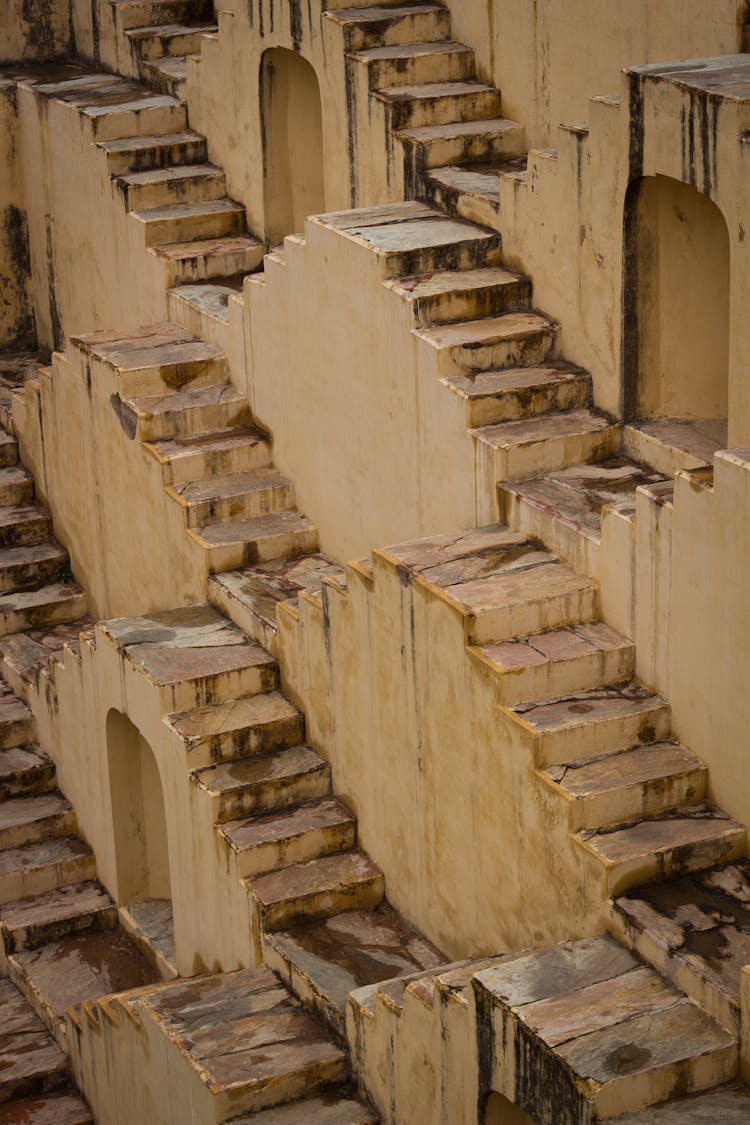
682, 286
293, 180
17, 326
34, 30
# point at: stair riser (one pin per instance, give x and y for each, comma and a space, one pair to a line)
34, 1085
438, 152
460, 204
566, 677
193, 228
32, 937
282, 793
169, 84
143, 13
17, 493
365, 895
219, 688
38, 880
210, 266
187, 375
17, 732
536, 458
26, 576
198, 189
259, 503
568, 543
421, 69
632, 803
203, 419
529, 352
467, 255
690, 1076
160, 156
416, 27
146, 122
24, 783
522, 619
238, 459
297, 849
60, 824
514, 406
188, 42
256, 627
258, 739
452, 308
418, 112
54, 613
304, 988
558, 747
232, 556
26, 532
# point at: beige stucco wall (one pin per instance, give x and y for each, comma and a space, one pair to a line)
34, 30
16, 316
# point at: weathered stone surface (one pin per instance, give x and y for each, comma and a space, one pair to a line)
52, 1109
151, 925
318, 888
729, 1105
30, 922
24, 820
311, 830
38, 867
265, 782
595, 705
329, 1109
30, 1061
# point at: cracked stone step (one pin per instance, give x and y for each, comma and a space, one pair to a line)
31, 1063
25, 770
224, 732
279, 839
156, 359
323, 960
410, 238
140, 153
326, 1110
245, 1038
462, 142
30, 820
232, 544
16, 486
186, 183
695, 929
628, 784
169, 39
32, 922
560, 661
654, 848
595, 721
35, 868
259, 492
610, 1034
391, 26
450, 296
202, 260
191, 222
189, 414
190, 460
470, 191
264, 782
514, 450
66, 1108
316, 889
24, 525
34, 564
16, 720
132, 14
520, 393
518, 339
413, 64
58, 603
250, 597
438, 103
194, 655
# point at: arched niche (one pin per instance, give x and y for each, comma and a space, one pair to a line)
293, 166
676, 324
498, 1110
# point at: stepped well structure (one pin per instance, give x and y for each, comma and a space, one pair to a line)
374, 608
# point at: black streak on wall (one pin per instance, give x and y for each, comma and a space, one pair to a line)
630, 340
295, 23
54, 312
20, 328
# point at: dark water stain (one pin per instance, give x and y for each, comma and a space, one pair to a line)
295, 23
54, 312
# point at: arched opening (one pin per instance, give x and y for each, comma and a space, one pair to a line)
293, 168
143, 889
499, 1111
676, 346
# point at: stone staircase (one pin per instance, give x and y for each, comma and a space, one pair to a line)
153, 40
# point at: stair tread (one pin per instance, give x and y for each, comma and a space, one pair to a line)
14, 474
65, 1108
178, 401
254, 527
494, 127
28, 1053
670, 830
211, 441
480, 180
251, 832
607, 773
177, 174
21, 759
13, 514
378, 13
260, 770
514, 380
26, 652
478, 333
236, 715
153, 347
211, 297
228, 485
46, 853
27, 810
314, 1111
529, 431
186, 210
261, 588
593, 705
12, 709
152, 140
175, 66
700, 920
404, 227
554, 645
179, 251
434, 89
452, 281
729, 1105
411, 50
31, 553
56, 905
315, 876
168, 30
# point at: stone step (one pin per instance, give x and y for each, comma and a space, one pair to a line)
58, 603
415, 64
35, 868
627, 784
8, 450
155, 360
323, 960
204, 308
141, 153
438, 103
150, 926
190, 461
596, 721
31, 820
17, 727
519, 339
530, 446
652, 849
246, 1040
29, 923
520, 393
225, 732
327, 1110
188, 262
450, 296
187, 414
191, 222
279, 839
138, 112
25, 770
169, 39
33, 565
316, 889
392, 25
31, 1063
250, 597
191, 656
410, 238
729, 1105
70, 970
185, 183
607, 1034
235, 543
504, 585
264, 782
239, 495
24, 525
66, 1108
168, 75
462, 142
148, 13
24, 655
560, 661
16, 486
695, 929
470, 191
